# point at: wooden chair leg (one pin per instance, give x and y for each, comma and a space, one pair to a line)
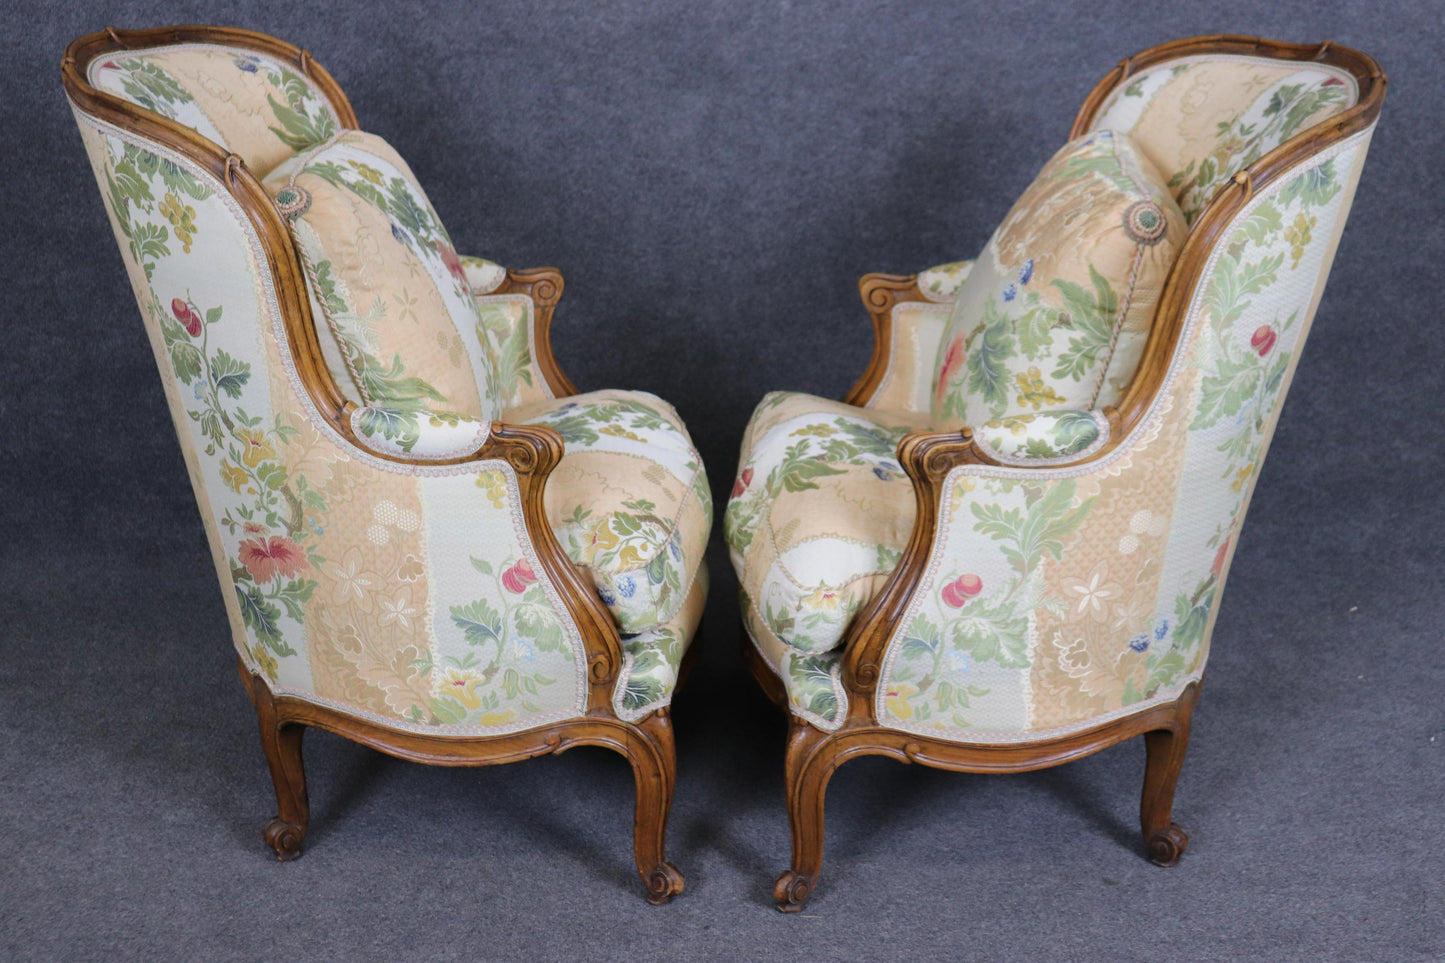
282, 745
653, 755
1165, 748
808, 767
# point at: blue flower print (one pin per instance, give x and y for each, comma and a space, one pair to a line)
626, 587
1162, 630
1140, 642
958, 661
399, 234
883, 474
1010, 292
608, 599
1026, 273
246, 64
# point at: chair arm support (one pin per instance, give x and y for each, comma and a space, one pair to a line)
525, 362
929, 457
1046, 438
419, 436
532, 451
909, 314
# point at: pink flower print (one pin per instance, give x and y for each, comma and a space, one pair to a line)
960, 590
1263, 339
266, 558
951, 361
518, 577
190, 319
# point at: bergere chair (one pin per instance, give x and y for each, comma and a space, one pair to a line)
427, 541
1006, 548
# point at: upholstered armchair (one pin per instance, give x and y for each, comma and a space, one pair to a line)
427, 541
1006, 548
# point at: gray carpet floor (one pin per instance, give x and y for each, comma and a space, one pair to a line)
713, 178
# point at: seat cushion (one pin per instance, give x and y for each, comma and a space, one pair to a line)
629, 501
400, 327
818, 519
1056, 310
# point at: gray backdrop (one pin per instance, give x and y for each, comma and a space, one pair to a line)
713, 178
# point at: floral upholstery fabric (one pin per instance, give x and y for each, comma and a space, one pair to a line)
252, 104
629, 501
1055, 599
915, 332
507, 322
653, 658
1056, 310
384, 277
1044, 437
818, 518
1200, 120
408, 595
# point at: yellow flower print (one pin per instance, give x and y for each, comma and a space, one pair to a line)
961, 488
254, 446
234, 477
824, 599
897, 700
182, 218
1017, 424
366, 171
1298, 236
619, 432
494, 483
1241, 477
599, 540
461, 685
497, 718
820, 431
1032, 390
266, 661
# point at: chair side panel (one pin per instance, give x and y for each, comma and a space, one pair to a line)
1055, 600
404, 594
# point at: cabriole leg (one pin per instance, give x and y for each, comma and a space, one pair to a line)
282, 744
653, 755
806, 772
1165, 748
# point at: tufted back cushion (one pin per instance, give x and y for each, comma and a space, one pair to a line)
1056, 310
1200, 120
384, 277
249, 103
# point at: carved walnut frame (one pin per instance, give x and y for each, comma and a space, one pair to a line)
533, 451
928, 457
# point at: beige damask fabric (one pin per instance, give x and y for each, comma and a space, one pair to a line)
819, 515
252, 104
388, 284
629, 501
1055, 312
1202, 119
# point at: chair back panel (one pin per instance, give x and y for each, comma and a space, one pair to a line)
1202, 119
248, 102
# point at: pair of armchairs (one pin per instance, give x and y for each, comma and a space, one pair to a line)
1003, 550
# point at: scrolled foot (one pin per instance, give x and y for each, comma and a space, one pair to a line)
663, 884
285, 838
792, 890
1167, 845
